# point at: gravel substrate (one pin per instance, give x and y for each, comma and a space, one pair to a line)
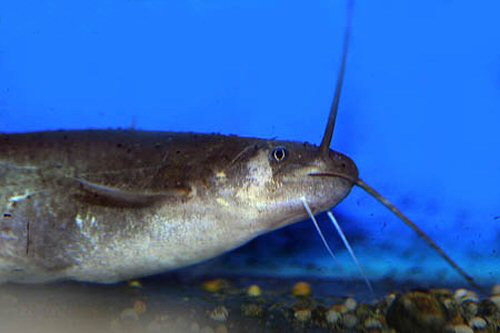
241, 305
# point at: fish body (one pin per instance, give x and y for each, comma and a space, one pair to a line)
110, 205
105, 206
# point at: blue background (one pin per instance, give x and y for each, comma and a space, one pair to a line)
420, 112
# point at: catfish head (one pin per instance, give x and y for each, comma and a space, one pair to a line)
277, 176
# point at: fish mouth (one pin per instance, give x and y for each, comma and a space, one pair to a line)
353, 180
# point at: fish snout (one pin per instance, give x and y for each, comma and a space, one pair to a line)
336, 164
344, 165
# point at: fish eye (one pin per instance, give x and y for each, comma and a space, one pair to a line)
279, 154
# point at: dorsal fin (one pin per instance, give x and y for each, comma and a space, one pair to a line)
330, 126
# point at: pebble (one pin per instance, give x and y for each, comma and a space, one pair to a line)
252, 310
332, 316
341, 308
470, 309
254, 291
390, 298
462, 329
364, 311
219, 313
417, 312
350, 304
135, 284
302, 289
303, 315
459, 293
496, 299
464, 295
449, 303
350, 320
215, 285
140, 307
477, 323
372, 323
471, 297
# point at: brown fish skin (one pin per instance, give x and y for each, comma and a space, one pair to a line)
109, 205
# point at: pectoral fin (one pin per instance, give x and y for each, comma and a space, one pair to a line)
112, 196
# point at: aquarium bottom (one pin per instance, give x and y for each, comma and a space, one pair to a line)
217, 304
